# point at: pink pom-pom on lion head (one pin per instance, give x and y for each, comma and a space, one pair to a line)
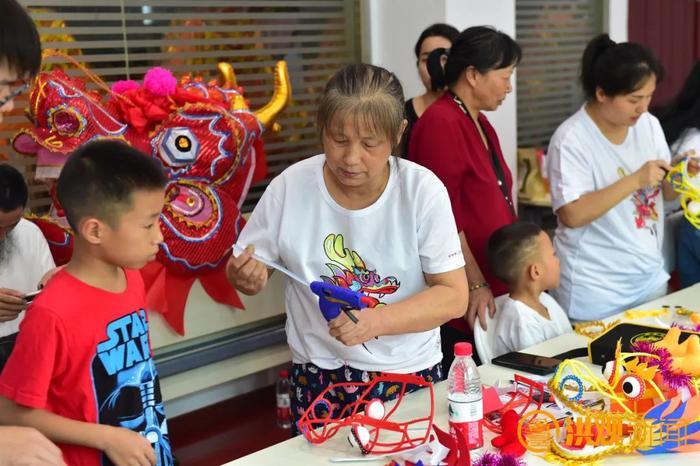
159, 81
121, 87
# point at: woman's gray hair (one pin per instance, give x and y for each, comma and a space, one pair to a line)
369, 94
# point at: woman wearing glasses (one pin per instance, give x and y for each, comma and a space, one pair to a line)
20, 58
20, 53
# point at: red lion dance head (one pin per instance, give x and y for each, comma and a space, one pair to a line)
203, 134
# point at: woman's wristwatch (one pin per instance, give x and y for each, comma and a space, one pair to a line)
478, 285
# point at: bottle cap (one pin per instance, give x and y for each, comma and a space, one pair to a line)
284, 373
463, 349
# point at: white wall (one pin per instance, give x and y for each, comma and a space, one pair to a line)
391, 28
615, 19
204, 316
212, 383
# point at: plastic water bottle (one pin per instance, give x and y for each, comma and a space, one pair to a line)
284, 410
464, 397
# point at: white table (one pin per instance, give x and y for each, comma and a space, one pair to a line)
297, 451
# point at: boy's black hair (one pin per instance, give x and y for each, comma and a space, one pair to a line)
482, 47
13, 189
20, 48
509, 249
100, 177
617, 69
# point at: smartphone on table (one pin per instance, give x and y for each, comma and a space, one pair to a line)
532, 363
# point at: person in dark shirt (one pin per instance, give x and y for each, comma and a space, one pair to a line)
438, 36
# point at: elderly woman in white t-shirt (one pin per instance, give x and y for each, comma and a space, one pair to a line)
359, 218
606, 167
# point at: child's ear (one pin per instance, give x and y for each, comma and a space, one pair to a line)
534, 271
92, 230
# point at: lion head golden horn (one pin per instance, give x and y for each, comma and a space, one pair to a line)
228, 77
280, 98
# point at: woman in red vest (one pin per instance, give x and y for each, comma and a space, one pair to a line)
457, 142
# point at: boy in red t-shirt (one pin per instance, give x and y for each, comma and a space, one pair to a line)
82, 371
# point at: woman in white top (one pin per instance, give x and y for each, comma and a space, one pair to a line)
606, 167
681, 124
362, 219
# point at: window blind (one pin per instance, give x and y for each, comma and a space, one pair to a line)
553, 35
122, 39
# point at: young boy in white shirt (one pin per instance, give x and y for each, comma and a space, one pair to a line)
522, 255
